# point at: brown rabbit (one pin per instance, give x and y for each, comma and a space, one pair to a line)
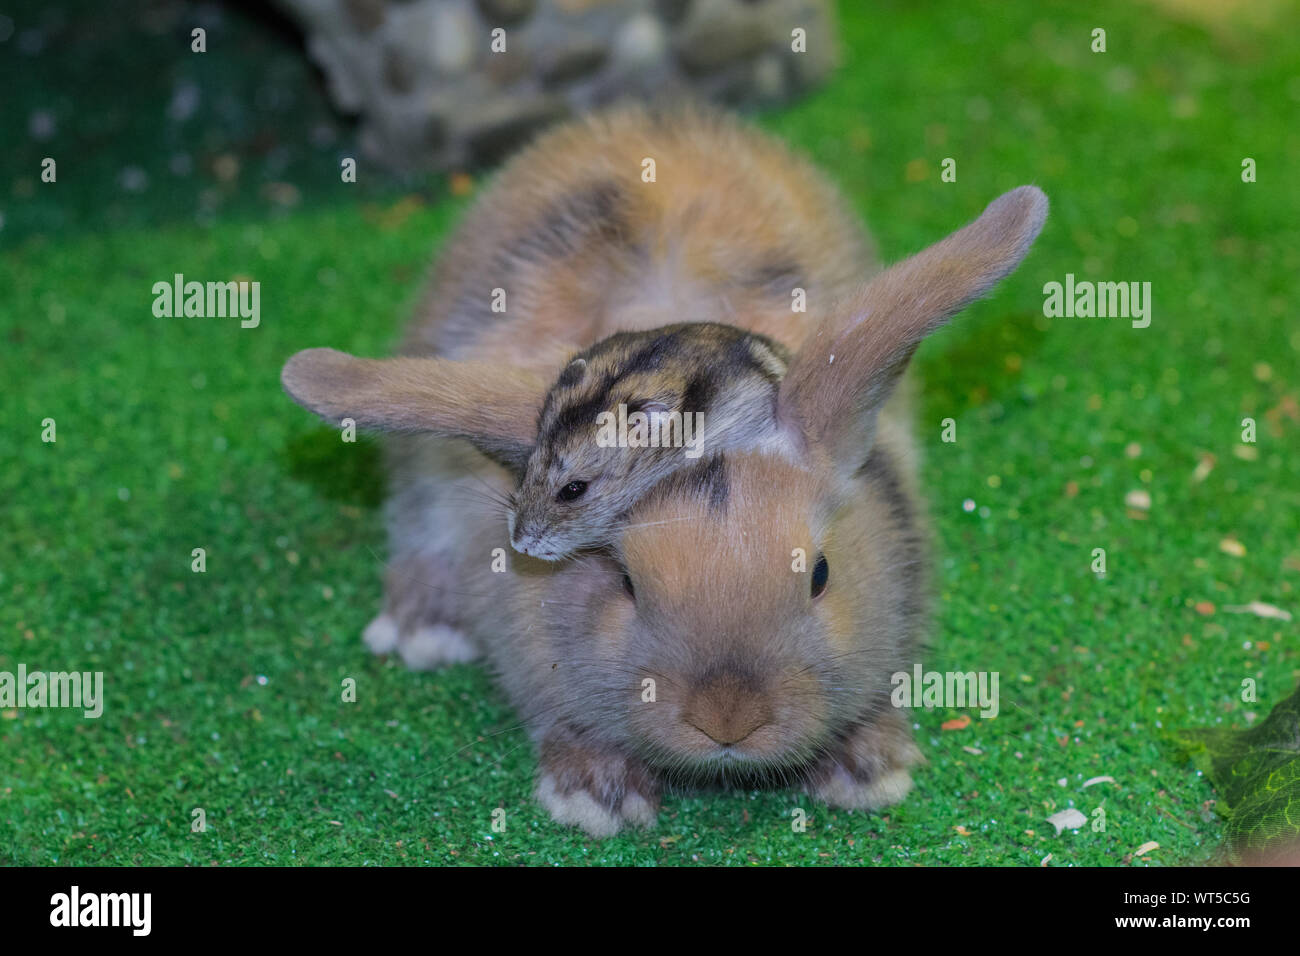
746, 621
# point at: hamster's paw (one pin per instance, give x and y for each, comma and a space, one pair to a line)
596, 789
380, 635
433, 645
869, 769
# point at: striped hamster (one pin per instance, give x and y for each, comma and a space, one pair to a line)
628, 412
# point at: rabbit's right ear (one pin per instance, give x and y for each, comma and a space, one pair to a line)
495, 407
847, 368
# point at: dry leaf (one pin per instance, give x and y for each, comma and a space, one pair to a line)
1146, 848
1203, 468
1091, 780
959, 723
461, 184
1259, 609
1068, 819
1138, 498
1233, 547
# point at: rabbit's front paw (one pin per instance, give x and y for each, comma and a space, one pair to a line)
423, 648
594, 787
868, 770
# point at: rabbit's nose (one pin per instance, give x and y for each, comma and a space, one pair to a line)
727, 711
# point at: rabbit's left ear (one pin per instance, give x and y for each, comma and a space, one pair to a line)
495, 407
846, 369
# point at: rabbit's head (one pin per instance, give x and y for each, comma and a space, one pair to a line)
767, 595
771, 597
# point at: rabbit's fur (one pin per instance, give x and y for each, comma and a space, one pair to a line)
692, 649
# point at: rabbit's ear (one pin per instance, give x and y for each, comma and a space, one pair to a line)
495, 407
846, 369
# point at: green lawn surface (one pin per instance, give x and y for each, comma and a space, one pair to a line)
223, 689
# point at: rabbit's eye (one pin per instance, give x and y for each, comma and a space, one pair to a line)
821, 574
572, 490
627, 586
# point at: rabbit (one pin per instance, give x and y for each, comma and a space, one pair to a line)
744, 621
694, 385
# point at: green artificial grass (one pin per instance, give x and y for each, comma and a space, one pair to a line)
224, 689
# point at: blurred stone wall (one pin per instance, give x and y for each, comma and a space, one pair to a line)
433, 89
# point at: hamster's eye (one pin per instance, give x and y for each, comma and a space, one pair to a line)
821, 574
627, 586
572, 490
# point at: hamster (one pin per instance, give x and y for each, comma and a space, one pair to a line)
699, 387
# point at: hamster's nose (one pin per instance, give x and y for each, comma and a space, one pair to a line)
727, 710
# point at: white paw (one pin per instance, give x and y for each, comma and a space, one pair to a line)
434, 645
576, 809
580, 809
843, 790
637, 810
381, 635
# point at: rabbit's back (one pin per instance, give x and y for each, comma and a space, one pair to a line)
634, 219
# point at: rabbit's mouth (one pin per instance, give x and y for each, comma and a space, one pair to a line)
730, 768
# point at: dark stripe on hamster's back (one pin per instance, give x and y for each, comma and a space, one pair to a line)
651, 356
571, 375
699, 392
578, 413
725, 355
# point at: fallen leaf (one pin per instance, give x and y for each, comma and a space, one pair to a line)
1138, 498
1233, 547
1204, 607
461, 184
973, 750
962, 830
959, 723
1091, 780
1146, 848
1259, 609
1068, 819
1043, 861
1203, 468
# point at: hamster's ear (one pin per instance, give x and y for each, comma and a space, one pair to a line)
495, 407
846, 369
